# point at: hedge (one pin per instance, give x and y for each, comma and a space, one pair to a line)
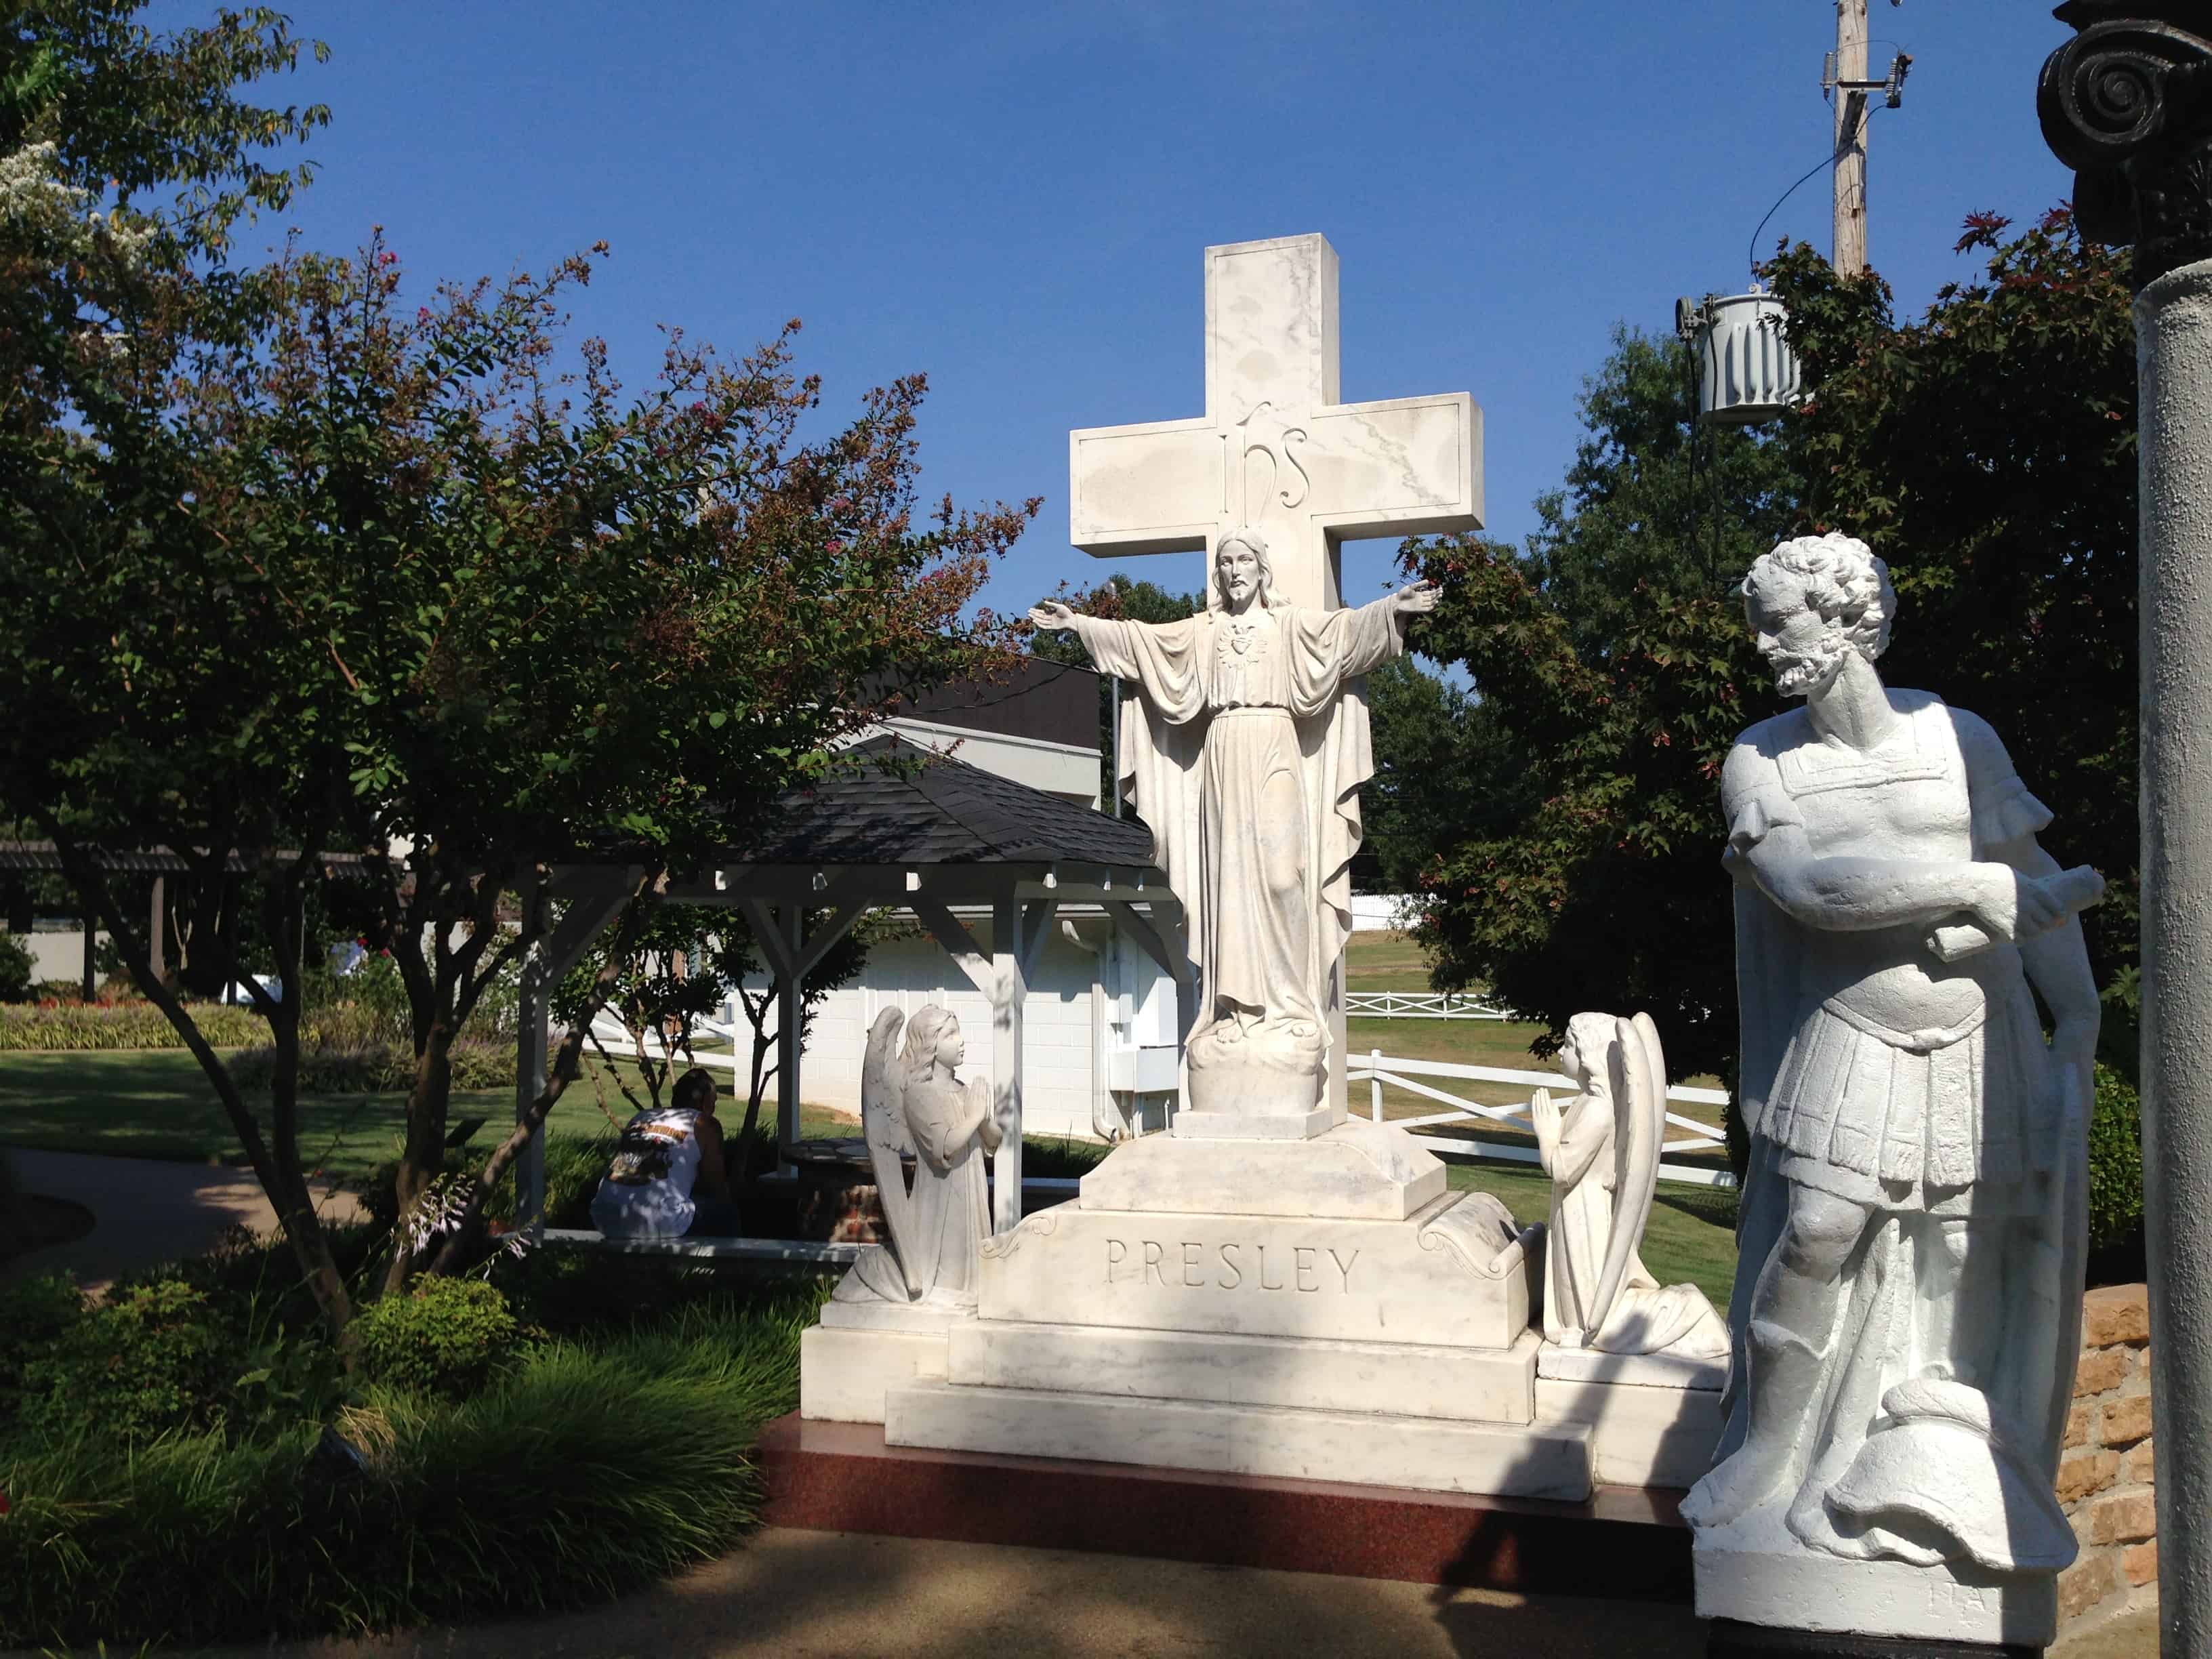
87, 1026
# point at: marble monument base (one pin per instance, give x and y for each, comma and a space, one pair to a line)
1309, 1310
1654, 1419
1756, 1573
861, 1350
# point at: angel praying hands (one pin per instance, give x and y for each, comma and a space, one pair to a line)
915, 1104
1602, 1149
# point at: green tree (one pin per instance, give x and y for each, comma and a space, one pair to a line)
1985, 450
1605, 891
303, 569
1446, 767
125, 157
1654, 503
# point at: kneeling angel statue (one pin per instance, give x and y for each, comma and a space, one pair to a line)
913, 1105
1600, 1147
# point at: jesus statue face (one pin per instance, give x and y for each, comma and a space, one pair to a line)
1237, 568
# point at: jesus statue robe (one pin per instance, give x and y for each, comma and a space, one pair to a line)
1246, 766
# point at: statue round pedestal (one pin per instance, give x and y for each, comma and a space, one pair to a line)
1733, 1640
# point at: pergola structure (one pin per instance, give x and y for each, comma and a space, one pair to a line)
900, 828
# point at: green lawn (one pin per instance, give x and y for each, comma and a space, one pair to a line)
156, 1103
1691, 1231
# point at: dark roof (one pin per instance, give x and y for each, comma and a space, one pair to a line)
890, 802
151, 861
1036, 697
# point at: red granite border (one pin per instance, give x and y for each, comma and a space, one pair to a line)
842, 1477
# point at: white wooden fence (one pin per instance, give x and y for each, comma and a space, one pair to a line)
732, 1030
1375, 1068
1378, 1071
1419, 1005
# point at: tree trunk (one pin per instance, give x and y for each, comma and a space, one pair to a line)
423, 1157
276, 1162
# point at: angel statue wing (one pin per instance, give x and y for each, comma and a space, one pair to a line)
1639, 1108
882, 1116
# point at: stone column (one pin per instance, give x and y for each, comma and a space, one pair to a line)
2128, 104
2174, 323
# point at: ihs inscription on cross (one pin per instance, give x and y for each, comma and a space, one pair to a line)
1275, 451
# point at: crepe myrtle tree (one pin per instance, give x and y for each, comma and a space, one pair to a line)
561, 622
126, 159
295, 566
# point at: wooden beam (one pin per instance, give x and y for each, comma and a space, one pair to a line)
1138, 927
1036, 927
791, 1028
951, 933
1007, 921
157, 935
766, 930
544, 965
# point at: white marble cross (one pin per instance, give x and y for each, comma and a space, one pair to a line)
1275, 451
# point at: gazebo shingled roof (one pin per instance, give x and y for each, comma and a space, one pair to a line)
895, 804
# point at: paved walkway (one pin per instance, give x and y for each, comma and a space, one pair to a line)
843, 1595
145, 1211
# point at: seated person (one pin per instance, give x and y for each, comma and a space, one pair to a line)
668, 1178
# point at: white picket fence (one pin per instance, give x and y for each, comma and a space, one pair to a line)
736, 1058
1375, 1069
1379, 1071
1419, 1005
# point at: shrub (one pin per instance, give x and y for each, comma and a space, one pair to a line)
593, 1467
14, 969
446, 1336
350, 1067
36, 1314
90, 1025
150, 1358
2116, 1175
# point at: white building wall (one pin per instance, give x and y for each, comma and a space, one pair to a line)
1063, 1069
1057, 768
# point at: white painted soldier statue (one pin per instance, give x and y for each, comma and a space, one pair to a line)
1909, 1286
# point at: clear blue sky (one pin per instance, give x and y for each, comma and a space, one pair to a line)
1013, 197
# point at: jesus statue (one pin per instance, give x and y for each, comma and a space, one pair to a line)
1246, 767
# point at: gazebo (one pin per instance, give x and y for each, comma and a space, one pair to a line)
892, 827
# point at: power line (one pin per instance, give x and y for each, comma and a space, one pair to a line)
1751, 248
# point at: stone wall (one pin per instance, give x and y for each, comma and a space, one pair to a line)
2105, 1471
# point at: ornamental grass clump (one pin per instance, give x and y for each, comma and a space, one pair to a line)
589, 1467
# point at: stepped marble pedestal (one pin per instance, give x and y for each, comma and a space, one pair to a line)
1318, 1308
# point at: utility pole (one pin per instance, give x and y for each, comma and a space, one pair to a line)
1849, 255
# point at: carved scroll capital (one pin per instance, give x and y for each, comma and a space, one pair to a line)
2128, 104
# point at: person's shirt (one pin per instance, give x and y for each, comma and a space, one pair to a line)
646, 1193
